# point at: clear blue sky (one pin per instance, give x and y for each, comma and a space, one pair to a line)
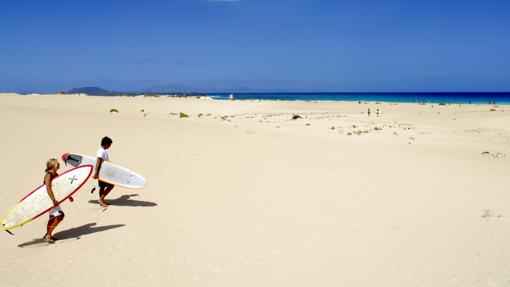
263, 45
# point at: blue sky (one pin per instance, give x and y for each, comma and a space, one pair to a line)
256, 45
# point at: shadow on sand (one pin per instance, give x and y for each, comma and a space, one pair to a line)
126, 201
74, 233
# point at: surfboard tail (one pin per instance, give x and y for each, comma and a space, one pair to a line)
7, 230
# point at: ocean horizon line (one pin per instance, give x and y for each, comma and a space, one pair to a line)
311, 92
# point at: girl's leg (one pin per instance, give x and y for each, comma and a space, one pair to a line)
52, 224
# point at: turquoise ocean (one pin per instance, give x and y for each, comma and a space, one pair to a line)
446, 98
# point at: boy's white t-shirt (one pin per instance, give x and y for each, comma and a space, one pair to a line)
102, 153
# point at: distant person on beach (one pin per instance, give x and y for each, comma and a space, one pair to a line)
369, 112
102, 156
56, 213
377, 112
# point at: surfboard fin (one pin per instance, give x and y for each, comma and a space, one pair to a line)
9, 232
92, 190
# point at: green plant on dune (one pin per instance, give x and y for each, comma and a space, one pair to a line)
113, 110
200, 115
295, 117
492, 110
183, 115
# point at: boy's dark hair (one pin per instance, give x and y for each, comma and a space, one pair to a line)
106, 141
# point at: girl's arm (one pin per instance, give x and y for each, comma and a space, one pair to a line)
47, 181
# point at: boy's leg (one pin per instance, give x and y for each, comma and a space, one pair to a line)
104, 189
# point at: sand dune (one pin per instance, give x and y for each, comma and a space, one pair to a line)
240, 194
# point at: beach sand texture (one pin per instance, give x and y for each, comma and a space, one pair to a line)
239, 194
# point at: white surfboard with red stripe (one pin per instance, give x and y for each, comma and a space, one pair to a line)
38, 202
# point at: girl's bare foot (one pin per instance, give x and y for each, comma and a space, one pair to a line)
102, 203
48, 239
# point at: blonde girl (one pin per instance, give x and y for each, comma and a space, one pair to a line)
56, 214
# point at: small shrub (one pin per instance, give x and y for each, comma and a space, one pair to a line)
487, 213
114, 110
349, 134
142, 111
200, 115
308, 124
377, 129
332, 128
183, 115
295, 117
354, 126
492, 110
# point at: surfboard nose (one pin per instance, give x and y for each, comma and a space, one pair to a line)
64, 156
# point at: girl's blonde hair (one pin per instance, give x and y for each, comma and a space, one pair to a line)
50, 163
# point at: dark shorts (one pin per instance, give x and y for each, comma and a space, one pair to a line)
104, 185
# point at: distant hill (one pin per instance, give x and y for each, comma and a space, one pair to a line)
166, 89
96, 91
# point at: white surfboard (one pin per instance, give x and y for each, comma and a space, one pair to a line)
110, 173
38, 202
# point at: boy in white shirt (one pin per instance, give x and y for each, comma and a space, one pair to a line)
102, 155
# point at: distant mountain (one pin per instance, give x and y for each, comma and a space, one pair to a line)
169, 89
96, 91
160, 90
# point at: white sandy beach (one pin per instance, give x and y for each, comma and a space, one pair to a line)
244, 196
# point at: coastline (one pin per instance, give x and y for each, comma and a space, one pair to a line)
396, 97
448, 98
